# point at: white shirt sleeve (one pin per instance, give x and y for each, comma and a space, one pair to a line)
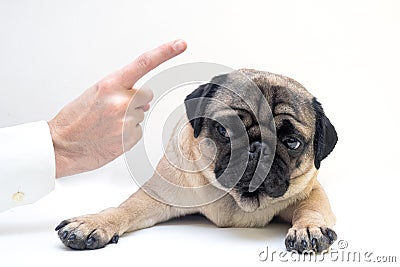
27, 164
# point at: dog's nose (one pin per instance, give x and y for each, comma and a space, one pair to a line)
257, 148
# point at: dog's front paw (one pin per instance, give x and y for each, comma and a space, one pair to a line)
87, 232
310, 238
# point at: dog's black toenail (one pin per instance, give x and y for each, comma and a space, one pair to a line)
289, 244
90, 241
114, 239
72, 237
304, 244
314, 243
61, 225
331, 235
64, 235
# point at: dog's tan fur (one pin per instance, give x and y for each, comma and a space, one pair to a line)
304, 205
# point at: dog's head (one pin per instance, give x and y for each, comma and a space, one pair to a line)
269, 132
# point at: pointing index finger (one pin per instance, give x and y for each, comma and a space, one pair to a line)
131, 73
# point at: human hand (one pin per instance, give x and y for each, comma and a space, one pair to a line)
87, 133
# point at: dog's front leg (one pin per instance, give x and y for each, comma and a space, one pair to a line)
312, 220
97, 230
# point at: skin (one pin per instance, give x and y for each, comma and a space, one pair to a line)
88, 132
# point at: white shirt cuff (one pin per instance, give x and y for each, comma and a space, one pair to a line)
27, 164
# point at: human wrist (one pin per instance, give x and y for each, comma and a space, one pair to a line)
62, 156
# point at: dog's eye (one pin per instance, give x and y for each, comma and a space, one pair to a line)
222, 131
291, 143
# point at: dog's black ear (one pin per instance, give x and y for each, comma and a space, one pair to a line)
325, 137
195, 109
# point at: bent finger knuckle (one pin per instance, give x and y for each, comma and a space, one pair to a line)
139, 132
141, 116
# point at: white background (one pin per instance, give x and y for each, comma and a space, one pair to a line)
345, 52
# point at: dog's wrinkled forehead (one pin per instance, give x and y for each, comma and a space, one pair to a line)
237, 92
248, 89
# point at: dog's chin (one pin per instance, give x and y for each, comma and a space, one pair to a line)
248, 202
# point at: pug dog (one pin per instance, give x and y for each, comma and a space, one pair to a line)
246, 156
